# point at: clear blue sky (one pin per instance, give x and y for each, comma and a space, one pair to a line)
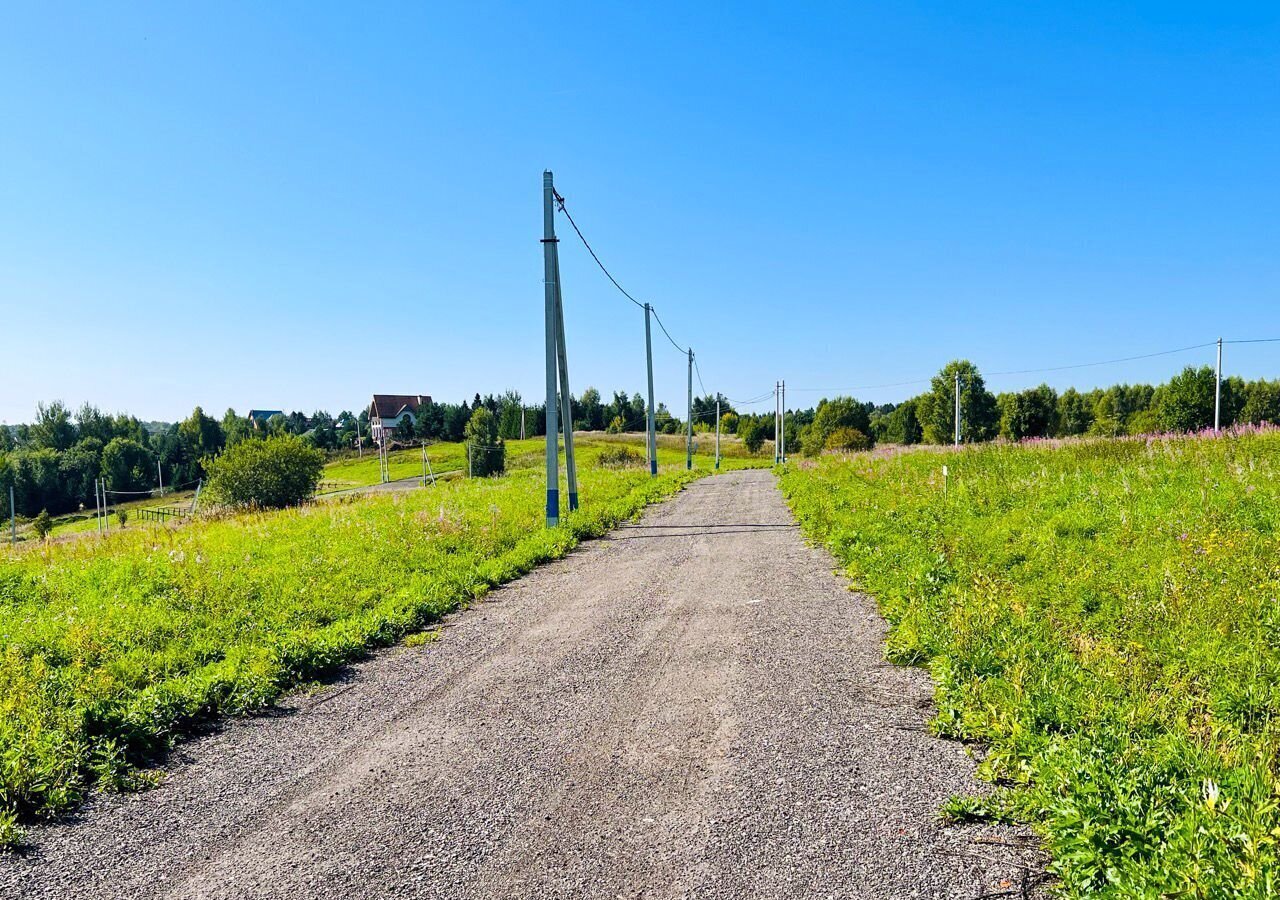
297, 206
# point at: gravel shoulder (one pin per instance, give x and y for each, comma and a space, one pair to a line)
694, 706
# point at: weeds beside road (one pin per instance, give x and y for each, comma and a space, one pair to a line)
1106, 616
113, 648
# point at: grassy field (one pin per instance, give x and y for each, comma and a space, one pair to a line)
1105, 616
354, 471
114, 648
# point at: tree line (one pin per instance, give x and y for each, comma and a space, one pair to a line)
1185, 403
52, 463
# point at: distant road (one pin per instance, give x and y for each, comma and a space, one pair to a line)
692, 707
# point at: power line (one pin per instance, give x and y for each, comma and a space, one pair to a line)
760, 399
1107, 362
667, 333
1104, 362
1255, 341
862, 387
699, 374
582, 238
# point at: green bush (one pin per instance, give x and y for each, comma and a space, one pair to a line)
620, 457
270, 474
486, 451
42, 524
752, 432
848, 439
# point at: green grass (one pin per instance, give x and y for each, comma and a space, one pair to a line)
1106, 617
114, 648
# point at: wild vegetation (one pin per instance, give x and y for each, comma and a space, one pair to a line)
272, 474
114, 648
1104, 616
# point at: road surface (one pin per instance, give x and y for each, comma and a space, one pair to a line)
694, 706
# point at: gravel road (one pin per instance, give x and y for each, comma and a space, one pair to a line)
694, 706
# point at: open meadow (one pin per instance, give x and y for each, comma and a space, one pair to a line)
116, 647
1104, 616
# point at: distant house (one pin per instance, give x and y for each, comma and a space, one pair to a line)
386, 411
259, 417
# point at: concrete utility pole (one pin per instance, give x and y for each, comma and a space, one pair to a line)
557, 362
651, 428
549, 300
1217, 394
688, 441
426, 461
782, 424
777, 401
566, 399
522, 422
160, 477
957, 409
717, 431
97, 507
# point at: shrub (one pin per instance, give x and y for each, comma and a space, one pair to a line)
616, 426
751, 430
848, 439
485, 450
620, 457
122, 517
42, 524
274, 473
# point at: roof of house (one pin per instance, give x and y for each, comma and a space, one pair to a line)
390, 406
264, 413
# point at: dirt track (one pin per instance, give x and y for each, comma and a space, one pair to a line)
693, 707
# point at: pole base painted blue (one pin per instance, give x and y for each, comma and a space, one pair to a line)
653, 467
717, 463
573, 501
553, 507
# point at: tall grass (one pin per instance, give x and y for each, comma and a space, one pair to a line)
112, 649
1106, 617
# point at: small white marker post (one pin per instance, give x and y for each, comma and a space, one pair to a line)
944, 482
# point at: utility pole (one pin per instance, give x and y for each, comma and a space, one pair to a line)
521, 422
549, 267
1217, 394
782, 423
97, 507
957, 409
717, 430
688, 441
160, 477
566, 398
359, 440
776, 432
651, 437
